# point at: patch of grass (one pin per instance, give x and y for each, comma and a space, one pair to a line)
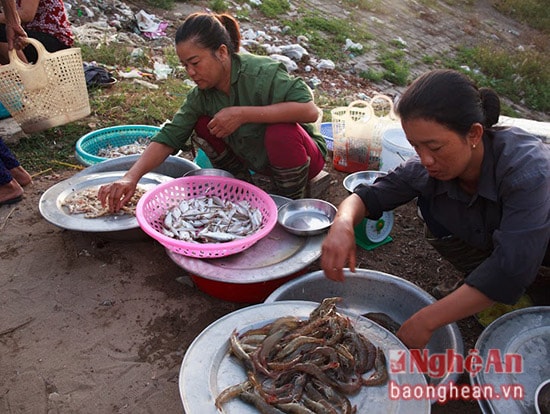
398, 44
218, 6
428, 60
274, 8
370, 5
372, 75
172, 59
112, 55
51, 148
242, 14
396, 68
132, 103
521, 76
534, 13
124, 104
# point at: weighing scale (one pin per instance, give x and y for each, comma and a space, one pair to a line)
370, 234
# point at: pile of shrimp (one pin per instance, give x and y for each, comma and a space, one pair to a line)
305, 366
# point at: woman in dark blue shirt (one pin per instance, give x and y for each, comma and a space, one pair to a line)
484, 194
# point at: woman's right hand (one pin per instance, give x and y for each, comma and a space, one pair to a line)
338, 249
339, 246
117, 194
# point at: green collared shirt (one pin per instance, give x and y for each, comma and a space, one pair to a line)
255, 81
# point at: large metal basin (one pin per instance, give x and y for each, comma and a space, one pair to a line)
371, 291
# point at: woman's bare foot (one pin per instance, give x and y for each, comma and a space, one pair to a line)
11, 191
21, 176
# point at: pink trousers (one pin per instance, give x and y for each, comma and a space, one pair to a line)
287, 145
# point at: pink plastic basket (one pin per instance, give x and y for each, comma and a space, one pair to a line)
154, 204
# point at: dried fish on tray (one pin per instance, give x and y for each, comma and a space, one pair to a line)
87, 202
211, 220
52, 208
209, 368
298, 365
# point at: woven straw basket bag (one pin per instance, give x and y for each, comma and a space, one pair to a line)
49, 93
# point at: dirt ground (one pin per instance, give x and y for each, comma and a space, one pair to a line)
94, 324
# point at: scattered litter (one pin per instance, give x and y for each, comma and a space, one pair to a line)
161, 70
97, 76
289, 63
325, 64
295, 52
131, 74
350, 45
402, 42
137, 52
150, 25
146, 84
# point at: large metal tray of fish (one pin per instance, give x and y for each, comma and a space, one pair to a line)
53, 207
208, 368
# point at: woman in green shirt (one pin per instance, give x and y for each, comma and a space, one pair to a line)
247, 113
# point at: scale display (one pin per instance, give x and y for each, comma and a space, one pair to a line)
370, 234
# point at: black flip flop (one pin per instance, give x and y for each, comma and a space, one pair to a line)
11, 201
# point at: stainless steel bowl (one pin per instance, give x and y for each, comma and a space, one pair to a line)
361, 177
542, 397
371, 291
306, 216
209, 171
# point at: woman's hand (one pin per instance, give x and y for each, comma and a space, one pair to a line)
15, 34
229, 119
225, 122
415, 333
465, 301
338, 248
117, 194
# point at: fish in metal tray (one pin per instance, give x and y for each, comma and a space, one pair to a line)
384, 320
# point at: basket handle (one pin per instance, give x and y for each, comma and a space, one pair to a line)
369, 110
359, 102
391, 114
33, 76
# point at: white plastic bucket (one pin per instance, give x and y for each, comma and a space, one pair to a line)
395, 149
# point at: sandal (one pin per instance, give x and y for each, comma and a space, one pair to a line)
11, 201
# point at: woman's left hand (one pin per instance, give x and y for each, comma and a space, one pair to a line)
225, 122
465, 301
414, 333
